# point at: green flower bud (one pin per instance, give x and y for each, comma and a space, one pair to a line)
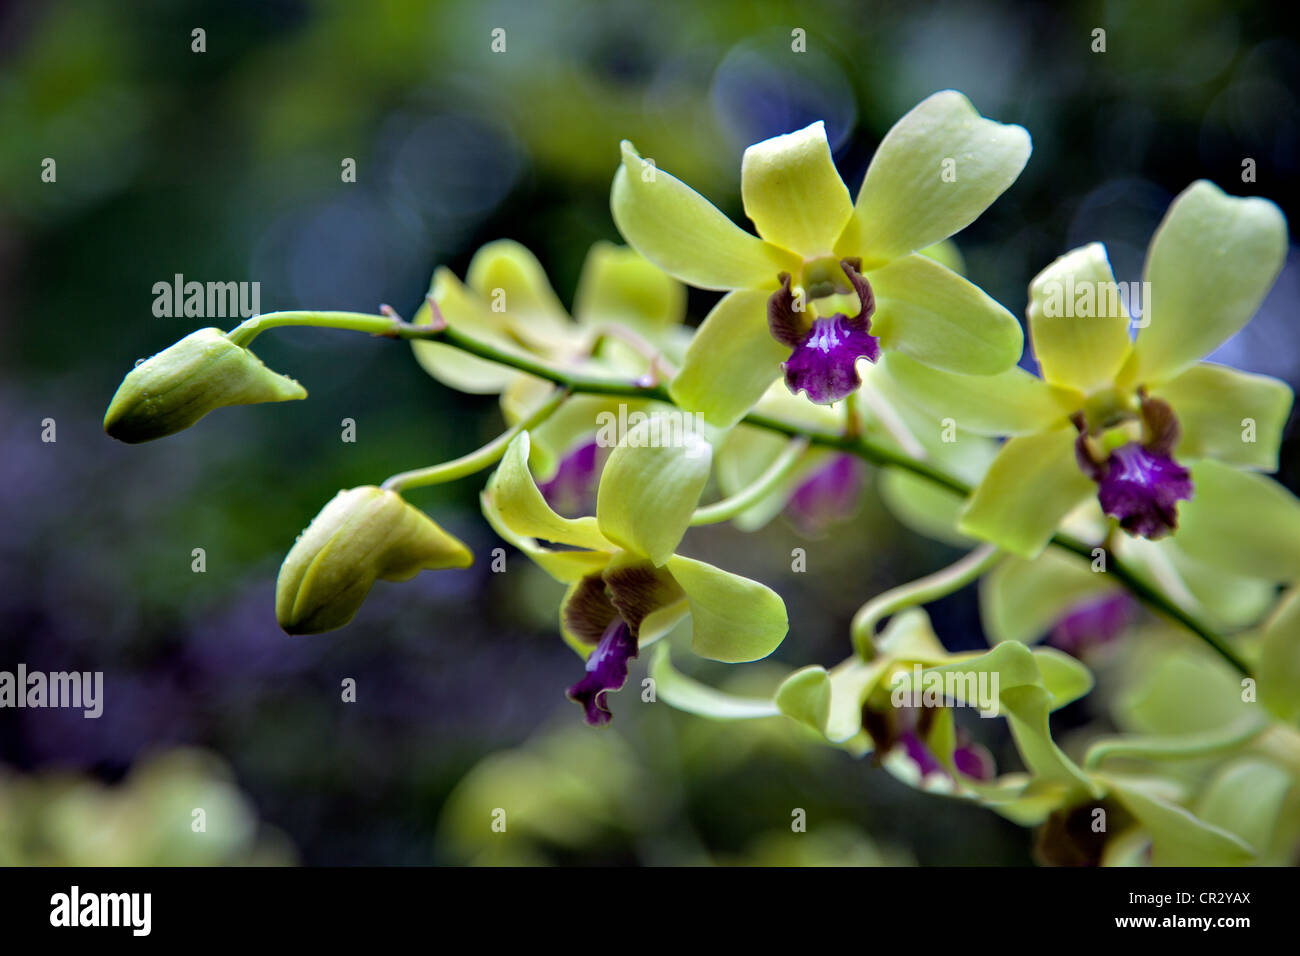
363, 534
181, 384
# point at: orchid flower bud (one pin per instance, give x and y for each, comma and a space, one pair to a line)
178, 386
362, 535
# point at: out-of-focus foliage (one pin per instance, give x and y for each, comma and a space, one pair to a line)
177, 808
569, 795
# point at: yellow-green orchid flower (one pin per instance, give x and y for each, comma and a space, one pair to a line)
1113, 417
1203, 771
861, 286
627, 319
627, 585
507, 300
857, 705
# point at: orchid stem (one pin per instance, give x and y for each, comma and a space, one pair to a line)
879, 455
1140, 589
654, 359
728, 508
244, 333
921, 591
1157, 747
476, 461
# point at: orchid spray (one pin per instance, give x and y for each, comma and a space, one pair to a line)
1119, 495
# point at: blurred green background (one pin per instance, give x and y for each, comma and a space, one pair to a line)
225, 166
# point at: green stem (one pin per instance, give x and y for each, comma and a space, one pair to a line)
243, 334
476, 461
1155, 599
728, 508
921, 591
654, 358
864, 448
1182, 747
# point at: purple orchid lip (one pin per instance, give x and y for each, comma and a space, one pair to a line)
607, 608
921, 755
1092, 622
571, 491
606, 671
973, 760
827, 496
824, 356
1142, 490
968, 758
1139, 483
908, 727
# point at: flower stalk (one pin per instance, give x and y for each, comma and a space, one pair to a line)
778, 471
921, 591
393, 326
479, 459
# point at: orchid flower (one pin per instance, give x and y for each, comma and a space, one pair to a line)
828, 281
627, 319
851, 707
854, 706
507, 300
1120, 419
627, 585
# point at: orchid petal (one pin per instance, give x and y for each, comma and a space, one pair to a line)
509, 277
1241, 521
687, 694
1230, 416
618, 286
518, 504
734, 619
686, 235
1032, 484
565, 566
1210, 264
908, 202
792, 192
1020, 600
465, 312
731, 361
940, 319
1077, 323
651, 485
1013, 402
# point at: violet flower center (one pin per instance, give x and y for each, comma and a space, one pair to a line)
1140, 483
824, 355
606, 671
1142, 489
